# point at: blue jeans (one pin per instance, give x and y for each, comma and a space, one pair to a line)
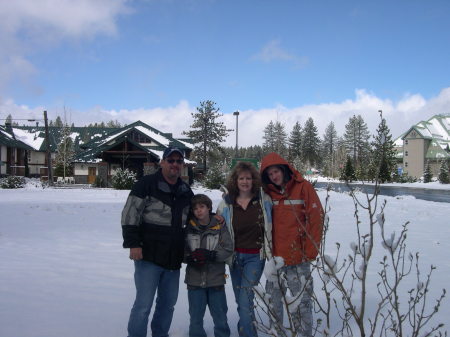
216, 300
245, 274
149, 278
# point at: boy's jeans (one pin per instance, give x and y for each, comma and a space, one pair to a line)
215, 299
149, 278
245, 274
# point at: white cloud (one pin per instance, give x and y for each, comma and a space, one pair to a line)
29, 26
64, 18
400, 115
273, 51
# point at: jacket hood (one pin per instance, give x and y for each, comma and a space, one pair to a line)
272, 159
213, 224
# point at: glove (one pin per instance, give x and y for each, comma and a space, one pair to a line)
197, 258
194, 262
200, 256
206, 255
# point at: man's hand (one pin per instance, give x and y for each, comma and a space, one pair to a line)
136, 253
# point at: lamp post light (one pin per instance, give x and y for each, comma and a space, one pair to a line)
236, 113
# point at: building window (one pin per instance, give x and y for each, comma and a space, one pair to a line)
406, 141
406, 164
406, 153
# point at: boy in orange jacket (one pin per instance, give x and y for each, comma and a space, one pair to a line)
297, 217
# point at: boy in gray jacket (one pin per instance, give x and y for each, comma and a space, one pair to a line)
208, 245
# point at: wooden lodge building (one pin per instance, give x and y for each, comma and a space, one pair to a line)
98, 152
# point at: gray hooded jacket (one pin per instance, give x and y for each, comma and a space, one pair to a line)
216, 237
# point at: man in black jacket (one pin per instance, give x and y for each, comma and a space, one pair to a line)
153, 225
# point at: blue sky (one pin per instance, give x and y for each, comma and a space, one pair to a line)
155, 60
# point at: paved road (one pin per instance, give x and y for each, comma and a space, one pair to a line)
418, 193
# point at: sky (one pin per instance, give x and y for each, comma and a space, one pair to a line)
156, 60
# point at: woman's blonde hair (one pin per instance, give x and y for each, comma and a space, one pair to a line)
233, 177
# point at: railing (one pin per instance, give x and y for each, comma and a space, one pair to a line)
65, 180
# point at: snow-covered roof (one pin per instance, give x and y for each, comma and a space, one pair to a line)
31, 139
107, 139
159, 154
399, 141
6, 134
157, 137
436, 129
187, 144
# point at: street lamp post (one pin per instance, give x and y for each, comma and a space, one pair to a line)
236, 113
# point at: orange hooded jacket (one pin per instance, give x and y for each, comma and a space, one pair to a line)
297, 214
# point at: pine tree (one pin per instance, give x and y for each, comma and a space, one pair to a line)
298, 164
280, 139
427, 175
295, 142
383, 152
206, 131
329, 146
269, 138
356, 139
113, 124
310, 143
215, 177
348, 173
443, 173
8, 120
58, 122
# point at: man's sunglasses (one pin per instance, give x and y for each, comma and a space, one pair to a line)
178, 161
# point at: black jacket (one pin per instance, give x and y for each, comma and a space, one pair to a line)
154, 218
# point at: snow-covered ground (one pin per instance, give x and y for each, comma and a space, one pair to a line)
63, 271
434, 185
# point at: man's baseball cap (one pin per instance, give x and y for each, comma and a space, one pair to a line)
170, 150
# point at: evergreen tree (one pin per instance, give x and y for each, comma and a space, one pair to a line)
329, 146
269, 138
340, 157
256, 151
298, 164
295, 142
113, 124
383, 152
310, 143
356, 139
361, 172
215, 177
372, 170
8, 120
206, 131
443, 173
348, 173
58, 122
427, 175
280, 139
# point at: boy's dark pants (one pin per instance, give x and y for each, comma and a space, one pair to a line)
215, 299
